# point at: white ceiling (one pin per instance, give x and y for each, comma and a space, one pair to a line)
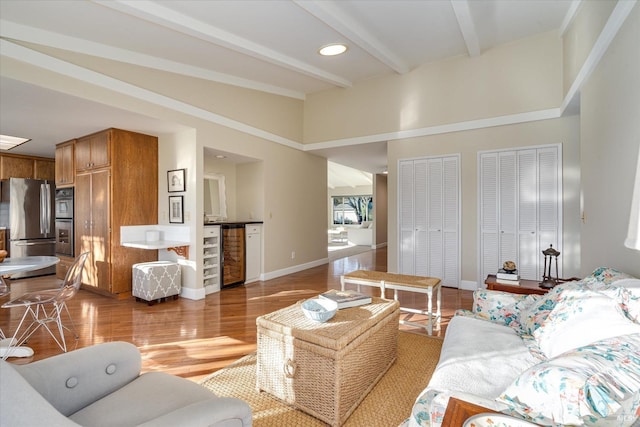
266, 45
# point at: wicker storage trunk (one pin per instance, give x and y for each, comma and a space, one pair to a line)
326, 369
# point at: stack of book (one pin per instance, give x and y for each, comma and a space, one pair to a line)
347, 298
508, 277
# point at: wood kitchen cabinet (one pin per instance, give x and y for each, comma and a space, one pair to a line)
44, 169
92, 226
18, 166
124, 192
93, 151
65, 165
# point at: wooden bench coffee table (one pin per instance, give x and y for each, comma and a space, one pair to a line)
326, 369
401, 282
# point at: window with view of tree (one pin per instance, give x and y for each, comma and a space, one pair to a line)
352, 209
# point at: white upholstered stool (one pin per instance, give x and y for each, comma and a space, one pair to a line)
155, 281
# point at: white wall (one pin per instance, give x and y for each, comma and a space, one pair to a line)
381, 207
519, 77
610, 128
177, 151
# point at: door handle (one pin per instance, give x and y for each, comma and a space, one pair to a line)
44, 242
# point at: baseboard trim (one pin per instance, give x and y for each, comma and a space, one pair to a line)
468, 285
293, 269
196, 294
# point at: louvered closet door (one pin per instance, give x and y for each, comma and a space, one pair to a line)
421, 226
413, 217
406, 204
451, 221
431, 246
508, 201
528, 247
435, 194
520, 204
488, 215
549, 206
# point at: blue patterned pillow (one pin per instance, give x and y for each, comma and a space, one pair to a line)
597, 384
606, 276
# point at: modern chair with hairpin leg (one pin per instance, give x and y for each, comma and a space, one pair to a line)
46, 306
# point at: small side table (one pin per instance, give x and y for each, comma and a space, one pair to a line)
526, 287
458, 411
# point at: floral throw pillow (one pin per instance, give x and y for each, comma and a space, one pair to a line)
534, 315
597, 384
606, 275
501, 307
580, 317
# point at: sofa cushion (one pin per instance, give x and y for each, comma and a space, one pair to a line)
597, 384
469, 359
21, 404
474, 350
150, 396
580, 317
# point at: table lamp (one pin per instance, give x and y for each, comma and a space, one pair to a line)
548, 281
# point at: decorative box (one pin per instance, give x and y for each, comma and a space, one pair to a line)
326, 369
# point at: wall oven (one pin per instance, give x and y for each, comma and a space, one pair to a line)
64, 203
64, 222
64, 237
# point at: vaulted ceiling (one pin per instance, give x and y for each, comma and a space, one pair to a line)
265, 45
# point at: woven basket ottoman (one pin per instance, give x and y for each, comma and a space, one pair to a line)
326, 369
156, 281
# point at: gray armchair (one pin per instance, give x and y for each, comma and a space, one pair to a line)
102, 386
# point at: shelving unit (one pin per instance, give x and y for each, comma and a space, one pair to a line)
211, 258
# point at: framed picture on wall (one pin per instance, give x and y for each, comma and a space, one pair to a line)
175, 180
176, 210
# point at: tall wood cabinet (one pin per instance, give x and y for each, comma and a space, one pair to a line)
520, 208
429, 218
115, 184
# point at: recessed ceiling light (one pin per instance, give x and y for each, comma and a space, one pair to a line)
332, 49
220, 156
8, 142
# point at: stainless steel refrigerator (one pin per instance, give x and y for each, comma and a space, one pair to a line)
27, 212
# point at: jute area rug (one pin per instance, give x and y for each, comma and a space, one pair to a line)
387, 405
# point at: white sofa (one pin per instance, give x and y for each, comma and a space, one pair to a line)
570, 357
101, 385
361, 235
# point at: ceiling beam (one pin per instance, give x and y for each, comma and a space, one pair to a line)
331, 15
34, 35
37, 59
571, 14
468, 29
169, 18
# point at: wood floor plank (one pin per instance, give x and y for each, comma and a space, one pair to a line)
190, 338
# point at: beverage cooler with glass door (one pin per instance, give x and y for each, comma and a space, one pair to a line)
233, 255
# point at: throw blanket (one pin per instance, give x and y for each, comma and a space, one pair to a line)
476, 362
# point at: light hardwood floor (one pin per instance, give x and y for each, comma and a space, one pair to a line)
194, 338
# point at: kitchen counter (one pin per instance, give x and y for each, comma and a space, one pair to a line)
169, 237
233, 222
